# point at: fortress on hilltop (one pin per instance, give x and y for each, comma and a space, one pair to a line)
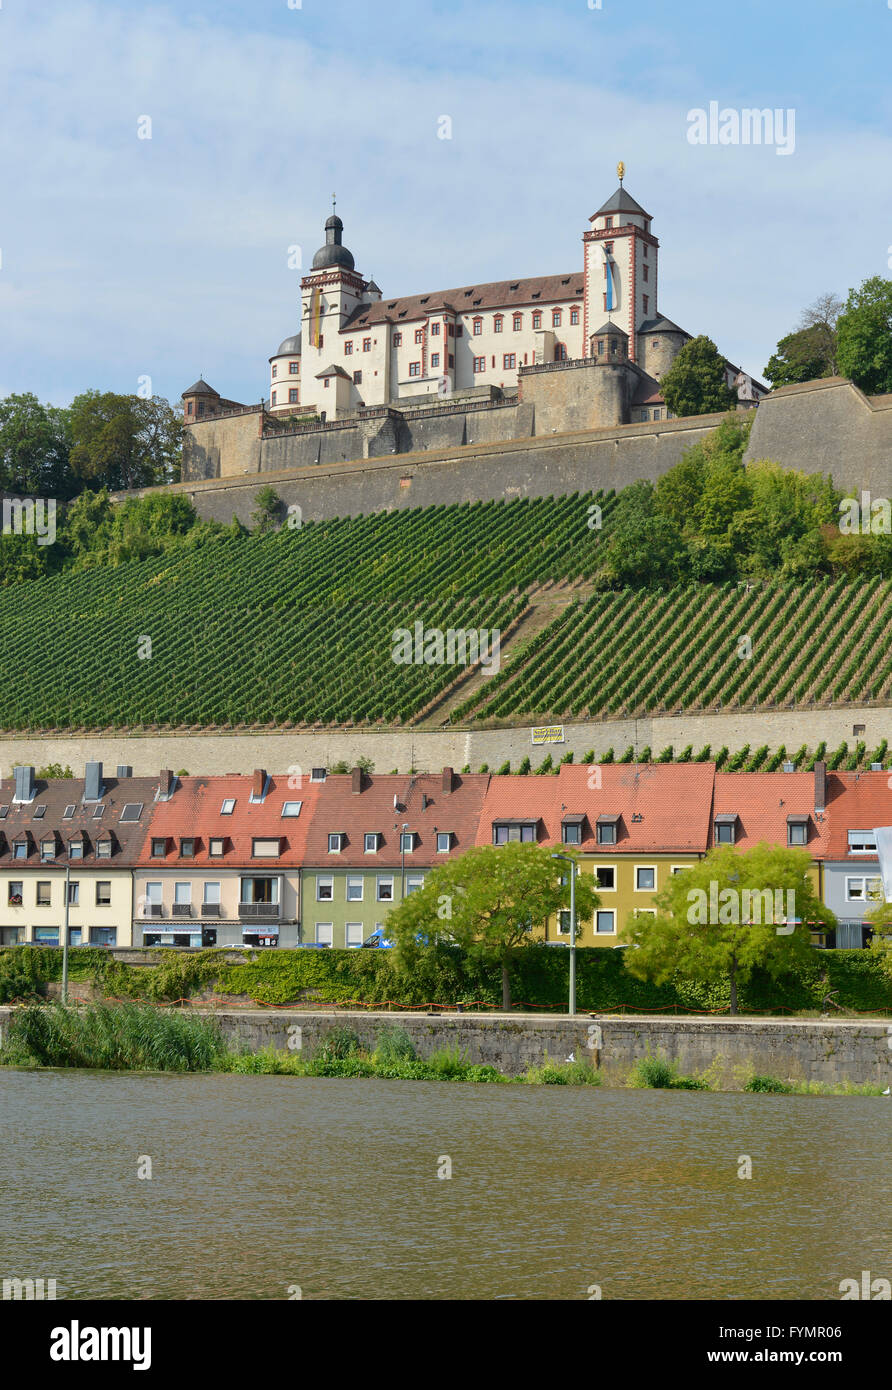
542, 355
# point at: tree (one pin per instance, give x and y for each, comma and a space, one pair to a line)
490, 902
269, 510
34, 444
811, 351
865, 336
643, 547
728, 915
122, 442
696, 383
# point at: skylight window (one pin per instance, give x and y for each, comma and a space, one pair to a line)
39, 812
4, 811
291, 808
66, 814
132, 811
97, 814
228, 806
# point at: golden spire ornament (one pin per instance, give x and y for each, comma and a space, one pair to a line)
621, 170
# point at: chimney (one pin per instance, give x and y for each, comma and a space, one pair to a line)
124, 771
356, 775
259, 782
448, 780
820, 786
93, 782
24, 783
166, 786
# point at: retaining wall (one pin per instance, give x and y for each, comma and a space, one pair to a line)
730, 1050
428, 750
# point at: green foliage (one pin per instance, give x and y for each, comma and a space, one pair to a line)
695, 383
269, 507
123, 442
865, 336
768, 1085
555, 1073
658, 1073
487, 903
21, 976
805, 355
393, 1044
34, 445
856, 980
712, 923
53, 771
339, 1044
112, 1037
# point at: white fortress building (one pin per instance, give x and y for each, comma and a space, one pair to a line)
357, 350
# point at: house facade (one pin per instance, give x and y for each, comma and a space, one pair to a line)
372, 841
78, 838
221, 863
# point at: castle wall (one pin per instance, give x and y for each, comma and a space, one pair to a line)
227, 447
828, 427
539, 466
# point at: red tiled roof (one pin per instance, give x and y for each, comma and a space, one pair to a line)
498, 294
423, 806
855, 801
672, 799
764, 800
193, 811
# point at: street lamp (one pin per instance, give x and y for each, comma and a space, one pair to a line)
65, 934
572, 863
403, 860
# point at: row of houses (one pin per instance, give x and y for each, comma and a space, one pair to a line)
321, 859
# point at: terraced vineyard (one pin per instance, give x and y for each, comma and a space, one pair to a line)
699, 647
298, 628
294, 627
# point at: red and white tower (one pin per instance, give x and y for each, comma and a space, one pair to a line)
621, 268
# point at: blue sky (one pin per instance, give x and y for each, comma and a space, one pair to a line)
124, 258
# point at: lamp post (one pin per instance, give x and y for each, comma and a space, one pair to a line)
567, 860
403, 860
65, 936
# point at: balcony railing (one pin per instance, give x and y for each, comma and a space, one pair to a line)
262, 912
181, 910
210, 910
152, 910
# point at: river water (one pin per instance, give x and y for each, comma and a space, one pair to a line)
264, 1185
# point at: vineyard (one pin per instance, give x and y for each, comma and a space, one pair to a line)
297, 628
293, 627
698, 647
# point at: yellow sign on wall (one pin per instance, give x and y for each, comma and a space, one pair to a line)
548, 733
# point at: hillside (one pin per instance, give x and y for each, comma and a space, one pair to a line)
297, 627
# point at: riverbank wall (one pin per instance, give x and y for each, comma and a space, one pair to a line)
730, 1050
727, 1050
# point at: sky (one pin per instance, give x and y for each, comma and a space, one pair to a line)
126, 260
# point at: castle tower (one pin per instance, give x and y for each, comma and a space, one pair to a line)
621, 267
329, 295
